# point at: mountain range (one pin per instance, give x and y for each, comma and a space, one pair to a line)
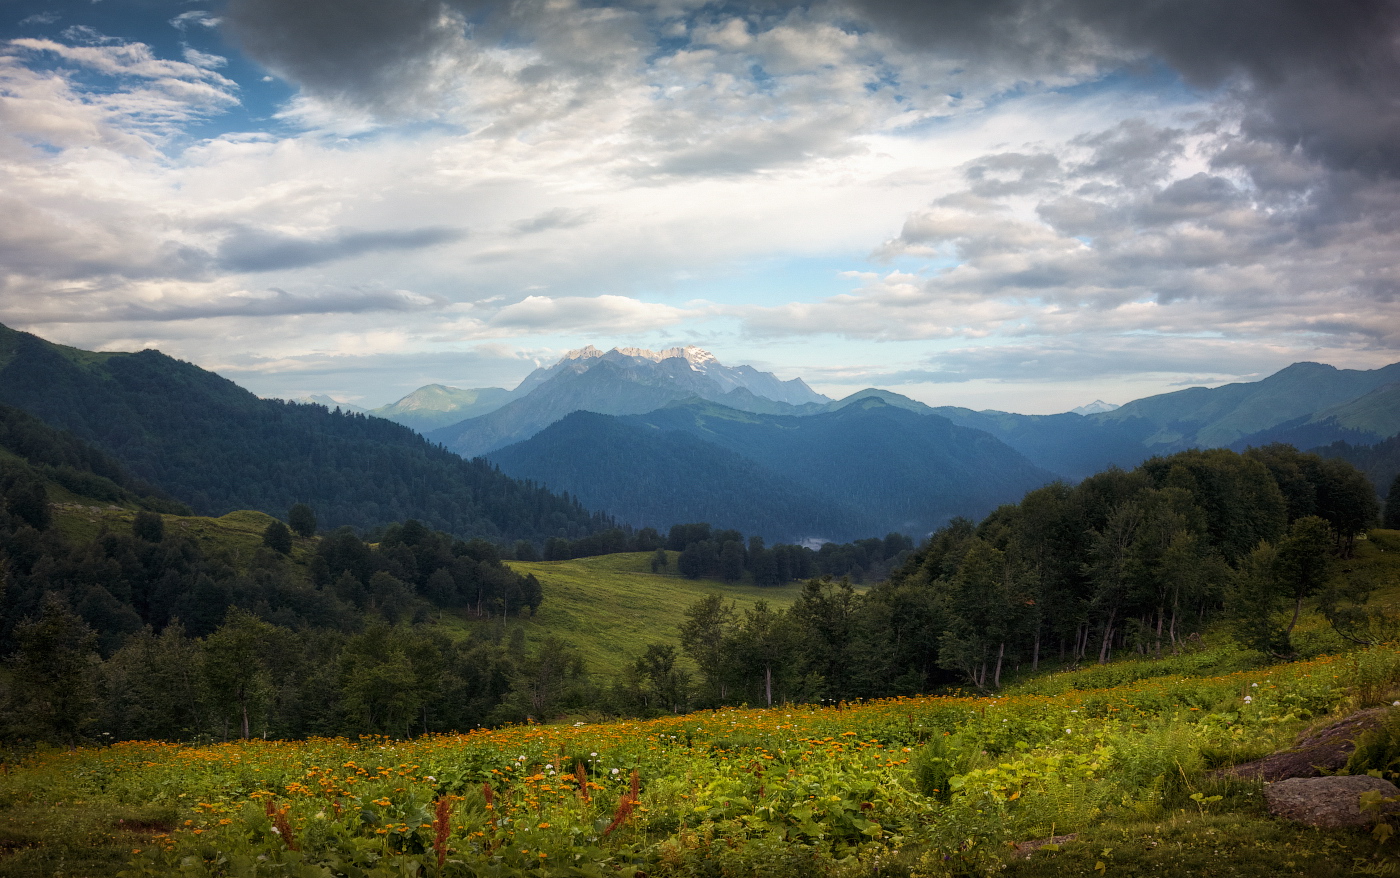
623, 382
889, 463
653, 438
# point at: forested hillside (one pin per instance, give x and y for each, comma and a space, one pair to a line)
216, 447
867, 468
654, 478
120, 619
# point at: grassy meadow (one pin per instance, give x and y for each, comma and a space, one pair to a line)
1118, 756
611, 606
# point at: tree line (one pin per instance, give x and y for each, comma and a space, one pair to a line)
707, 552
1126, 560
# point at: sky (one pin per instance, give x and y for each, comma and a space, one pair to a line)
1022, 205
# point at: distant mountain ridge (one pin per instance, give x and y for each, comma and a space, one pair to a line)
437, 405
861, 469
624, 382
1223, 416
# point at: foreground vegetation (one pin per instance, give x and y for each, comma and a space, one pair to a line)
904, 786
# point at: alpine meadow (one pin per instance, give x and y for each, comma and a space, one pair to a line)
632, 439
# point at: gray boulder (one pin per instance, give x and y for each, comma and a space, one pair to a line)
1327, 802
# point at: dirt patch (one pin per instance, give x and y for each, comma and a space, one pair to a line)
1316, 751
1026, 848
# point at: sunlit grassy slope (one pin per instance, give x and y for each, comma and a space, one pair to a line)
612, 606
239, 533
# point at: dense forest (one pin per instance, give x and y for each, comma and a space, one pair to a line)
216, 447
1133, 560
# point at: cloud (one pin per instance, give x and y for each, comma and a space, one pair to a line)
194, 18
167, 303
1318, 76
249, 249
39, 18
555, 218
613, 315
389, 56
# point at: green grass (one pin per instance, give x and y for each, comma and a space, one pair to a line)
1213, 845
612, 606
238, 533
44, 839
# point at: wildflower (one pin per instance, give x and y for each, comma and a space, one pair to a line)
1248, 700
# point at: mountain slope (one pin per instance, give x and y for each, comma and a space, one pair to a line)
646, 476
1221, 416
865, 469
906, 471
1066, 444
621, 382
1368, 419
1305, 405
436, 405
217, 447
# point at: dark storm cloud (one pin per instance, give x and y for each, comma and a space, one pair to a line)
373, 53
254, 249
1322, 76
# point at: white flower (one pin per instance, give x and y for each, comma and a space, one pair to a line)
431, 779
1248, 700
592, 754
520, 759
614, 771
549, 766
1069, 731
1254, 685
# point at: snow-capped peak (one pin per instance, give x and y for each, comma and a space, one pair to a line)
1094, 408
698, 358
587, 353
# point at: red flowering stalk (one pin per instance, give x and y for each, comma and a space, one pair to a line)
582, 776
626, 803
283, 828
442, 825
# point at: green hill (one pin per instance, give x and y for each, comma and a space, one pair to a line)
612, 606
437, 405
216, 447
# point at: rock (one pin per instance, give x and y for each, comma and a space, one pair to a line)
1327, 802
1325, 749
